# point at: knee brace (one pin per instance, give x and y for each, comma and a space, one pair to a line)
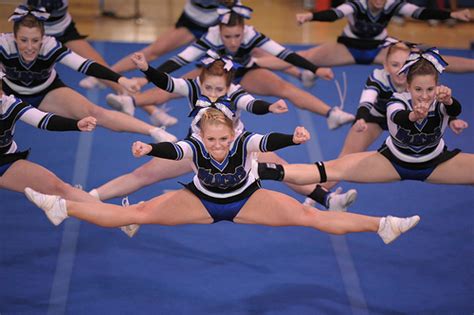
271, 171
322, 171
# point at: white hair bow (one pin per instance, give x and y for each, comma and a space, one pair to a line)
213, 56
432, 55
22, 10
225, 12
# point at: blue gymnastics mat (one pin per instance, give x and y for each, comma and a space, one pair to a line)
79, 268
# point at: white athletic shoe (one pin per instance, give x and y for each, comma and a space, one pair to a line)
308, 78
309, 202
161, 135
53, 206
122, 103
337, 118
339, 201
160, 117
391, 227
94, 193
130, 229
90, 83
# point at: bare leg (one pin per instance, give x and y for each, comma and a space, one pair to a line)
459, 64
353, 168
24, 174
84, 49
268, 61
167, 42
67, 102
276, 209
357, 142
173, 208
149, 173
458, 170
264, 82
271, 157
328, 55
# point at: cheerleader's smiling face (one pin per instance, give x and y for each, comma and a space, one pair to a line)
422, 88
217, 139
28, 41
376, 5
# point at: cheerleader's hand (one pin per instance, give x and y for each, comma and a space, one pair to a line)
302, 18
279, 107
443, 95
139, 60
140, 149
300, 135
462, 15
87, 123
325, 73
131, 85
458, 125
360, 125
420, 110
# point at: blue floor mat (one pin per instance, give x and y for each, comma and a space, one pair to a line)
79, 268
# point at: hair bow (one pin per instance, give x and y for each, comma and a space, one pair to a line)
22, 10
432, 55
213, 56
239, 9
2, 74
223, 103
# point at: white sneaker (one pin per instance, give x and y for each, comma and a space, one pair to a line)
122, 103
90, 83
53, 206
309, 202
308, 78
130, 229
160, 117
391, 227
337, 118
161, 135
94, 193
339, 201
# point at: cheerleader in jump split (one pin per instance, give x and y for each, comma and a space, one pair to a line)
28, 58
61, 26
371, 118
16, 172
212, 87
223, 188
362, 39
415, 148
233, 37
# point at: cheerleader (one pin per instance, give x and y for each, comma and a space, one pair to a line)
16, 172
212, 87
28, 58
224, 188
360, 42
233, 37
414, 150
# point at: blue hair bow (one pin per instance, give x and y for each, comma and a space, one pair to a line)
225, 12
213, 56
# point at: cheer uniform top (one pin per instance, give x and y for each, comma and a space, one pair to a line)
32, 81
13, 109
365, 32
225, 186
251, 39
416, 148
378, 90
